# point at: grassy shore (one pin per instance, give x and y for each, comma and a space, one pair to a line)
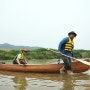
41, 53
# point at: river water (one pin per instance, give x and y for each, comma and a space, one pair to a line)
39, 81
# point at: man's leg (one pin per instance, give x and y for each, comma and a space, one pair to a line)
67, 65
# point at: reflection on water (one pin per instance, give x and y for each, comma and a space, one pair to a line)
37, 81
22, 83
6, 82
39, 84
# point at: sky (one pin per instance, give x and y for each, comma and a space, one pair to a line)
44, 23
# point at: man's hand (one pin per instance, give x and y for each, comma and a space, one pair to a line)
19, 63
59, 53
74, 59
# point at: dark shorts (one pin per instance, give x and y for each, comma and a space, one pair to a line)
15, 62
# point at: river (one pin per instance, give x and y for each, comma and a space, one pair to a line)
39, 81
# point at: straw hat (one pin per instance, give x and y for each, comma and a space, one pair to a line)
25, 50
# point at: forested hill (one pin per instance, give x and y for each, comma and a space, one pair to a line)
7, 46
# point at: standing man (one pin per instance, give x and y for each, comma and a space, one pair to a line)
66, 47
20, 58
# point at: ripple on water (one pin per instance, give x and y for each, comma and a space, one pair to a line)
40, 83
6, 81
27, 81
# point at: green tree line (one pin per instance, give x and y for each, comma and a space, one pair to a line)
41, 53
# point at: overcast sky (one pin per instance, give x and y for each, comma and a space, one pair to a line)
44, 22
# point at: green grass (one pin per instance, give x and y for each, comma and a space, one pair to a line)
41, 53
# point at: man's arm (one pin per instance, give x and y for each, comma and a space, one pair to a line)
18, 57
72, 54
65, 40
25, 60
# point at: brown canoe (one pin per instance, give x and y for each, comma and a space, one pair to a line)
77, 67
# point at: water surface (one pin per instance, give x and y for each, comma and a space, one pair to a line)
39, 81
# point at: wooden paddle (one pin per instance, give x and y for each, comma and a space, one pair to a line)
84, 62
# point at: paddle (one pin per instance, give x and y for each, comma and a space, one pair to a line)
84, 62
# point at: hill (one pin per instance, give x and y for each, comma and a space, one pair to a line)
7, 46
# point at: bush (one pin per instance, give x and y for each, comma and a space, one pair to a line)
41, 53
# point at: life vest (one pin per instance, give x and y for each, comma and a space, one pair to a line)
22, 57
69, 45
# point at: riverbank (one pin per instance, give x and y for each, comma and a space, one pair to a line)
41, 53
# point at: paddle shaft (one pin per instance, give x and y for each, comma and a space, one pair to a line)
84, 62
62, 54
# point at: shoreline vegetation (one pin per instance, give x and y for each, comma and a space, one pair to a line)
41, 53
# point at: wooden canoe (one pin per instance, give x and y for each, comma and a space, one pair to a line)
77, 67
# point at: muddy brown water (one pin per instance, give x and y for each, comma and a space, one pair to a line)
44, 81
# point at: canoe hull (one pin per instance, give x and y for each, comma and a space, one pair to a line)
77, 67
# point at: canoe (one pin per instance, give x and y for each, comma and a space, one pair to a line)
77, 67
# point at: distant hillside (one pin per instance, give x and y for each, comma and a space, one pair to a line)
7, 46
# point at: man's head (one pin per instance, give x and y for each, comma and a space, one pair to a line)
72, 34
24, 51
